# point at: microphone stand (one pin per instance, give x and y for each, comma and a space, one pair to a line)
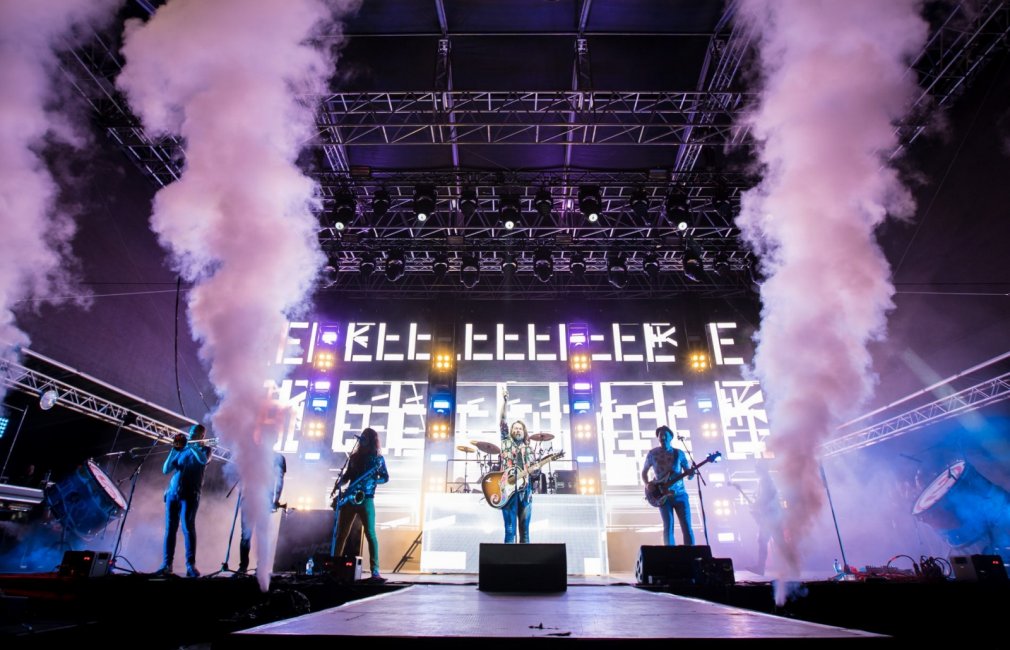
844, 573
701, 482
231, 535
129, 501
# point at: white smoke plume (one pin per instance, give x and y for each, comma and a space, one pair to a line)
230, 77
35, 244
835, 81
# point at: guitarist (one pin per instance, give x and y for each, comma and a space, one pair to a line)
516, 454
365, 459
666, 461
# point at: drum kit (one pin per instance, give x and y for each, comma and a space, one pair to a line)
487, 459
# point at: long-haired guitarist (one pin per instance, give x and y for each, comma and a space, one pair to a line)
666, 461
516, 454
366, 468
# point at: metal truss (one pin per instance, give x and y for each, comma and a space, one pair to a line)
535, 117
961, 41
968, 37
421, 283
653, 267
15, 375
969, 399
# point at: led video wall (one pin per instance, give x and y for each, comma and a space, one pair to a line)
594, 385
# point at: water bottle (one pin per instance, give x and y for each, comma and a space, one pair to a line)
309, 566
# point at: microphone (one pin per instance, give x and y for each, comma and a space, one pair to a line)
681, 438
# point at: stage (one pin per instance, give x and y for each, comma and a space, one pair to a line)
591, 612
308, 611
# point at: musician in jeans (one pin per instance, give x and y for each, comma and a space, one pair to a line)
366, 468
516, 453
186, 461
667, 461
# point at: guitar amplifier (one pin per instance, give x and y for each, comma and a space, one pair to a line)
84, 564
978, 568
342, 568
566, 481
714, 572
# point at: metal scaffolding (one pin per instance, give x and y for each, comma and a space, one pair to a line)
163, 427
454, 121
982, 394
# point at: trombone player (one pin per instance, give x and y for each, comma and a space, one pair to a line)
366, 468
188, 460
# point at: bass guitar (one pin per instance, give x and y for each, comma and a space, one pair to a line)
658, 491
498, 487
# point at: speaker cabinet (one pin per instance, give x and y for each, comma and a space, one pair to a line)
84, 564
523, 567
669, 564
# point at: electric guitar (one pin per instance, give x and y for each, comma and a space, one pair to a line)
498, 487
657, 492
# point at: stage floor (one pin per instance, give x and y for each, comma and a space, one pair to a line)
599, 612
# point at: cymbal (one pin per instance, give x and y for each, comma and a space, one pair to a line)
542, 437
466, 449
486, 447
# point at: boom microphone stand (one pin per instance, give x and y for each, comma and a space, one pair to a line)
843, 572
231, 535
132, 454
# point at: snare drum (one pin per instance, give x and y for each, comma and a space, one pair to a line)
85, 501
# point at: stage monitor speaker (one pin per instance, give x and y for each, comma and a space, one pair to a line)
523, 567
669, 564
307, 533
978, 568
84, 564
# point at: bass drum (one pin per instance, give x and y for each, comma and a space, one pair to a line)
962, 505
85, 501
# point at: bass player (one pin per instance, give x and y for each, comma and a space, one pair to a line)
666, 461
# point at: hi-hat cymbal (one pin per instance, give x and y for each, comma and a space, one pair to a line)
542, 437
486, 447
466, 449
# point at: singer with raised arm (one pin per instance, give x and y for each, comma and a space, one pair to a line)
517, 458
186, 461
366, 468
670, 466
